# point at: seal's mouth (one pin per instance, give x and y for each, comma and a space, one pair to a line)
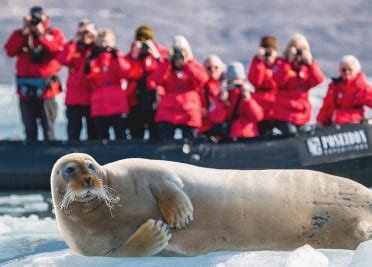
85, 196
88, 197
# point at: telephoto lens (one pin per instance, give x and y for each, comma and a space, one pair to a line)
144, 48
177, 54
35, 20
268, 53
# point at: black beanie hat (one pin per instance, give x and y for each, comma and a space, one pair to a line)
36, 11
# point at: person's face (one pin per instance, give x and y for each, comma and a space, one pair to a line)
214, 69
297, 50
86, 37
347, 71
106, 41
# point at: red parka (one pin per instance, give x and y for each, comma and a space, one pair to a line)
52, 41
248, 114
77, 88
143, 66
292, 100
180, 102
106, 79
344, 101
260, 75
212, 105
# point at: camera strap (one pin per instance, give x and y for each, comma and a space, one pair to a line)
233, 116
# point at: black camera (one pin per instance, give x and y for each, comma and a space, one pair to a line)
178, 55
144, 48
35, 19
268, 53
299, 52
231, 84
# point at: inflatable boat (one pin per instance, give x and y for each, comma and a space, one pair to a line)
341, 150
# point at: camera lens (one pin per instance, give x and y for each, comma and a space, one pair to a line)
299, 52
267, 53
178, 54
144, 48
35, 20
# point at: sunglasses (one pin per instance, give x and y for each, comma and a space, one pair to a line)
346, 70
210, 68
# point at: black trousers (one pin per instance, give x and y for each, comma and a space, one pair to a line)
38, 110
118, 122
272, 128
140, 120
167, 130
76, 114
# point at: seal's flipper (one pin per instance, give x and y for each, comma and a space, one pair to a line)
364, 231
175, 206
151, 238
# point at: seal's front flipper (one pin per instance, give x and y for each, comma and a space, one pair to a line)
364, 231
151, 238
175, 206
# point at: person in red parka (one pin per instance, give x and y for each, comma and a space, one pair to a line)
243, 113
295, 76
210, 96
260, 75
179, 81
346, 95
77, 99
35, 46
106, 72
145, 56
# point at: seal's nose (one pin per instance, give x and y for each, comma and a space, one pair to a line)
87, 181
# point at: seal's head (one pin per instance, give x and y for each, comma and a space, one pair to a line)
78, 179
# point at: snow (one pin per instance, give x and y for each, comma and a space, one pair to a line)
306, 256
363, 255
20, 204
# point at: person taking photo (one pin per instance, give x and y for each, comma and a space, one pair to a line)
78, 92
36, 45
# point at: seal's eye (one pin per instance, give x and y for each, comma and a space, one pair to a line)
91, 166
69, 170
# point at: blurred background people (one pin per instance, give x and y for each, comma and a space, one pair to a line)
242, 111
179, 82
35, 45
145, 57
78, 93
260, 75
213, 110
346, 96
295, 76
106, 72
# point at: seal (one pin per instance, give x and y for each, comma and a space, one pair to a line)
127, 208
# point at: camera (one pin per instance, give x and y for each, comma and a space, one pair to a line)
35, 19
144, 48
231, 84
268, 53
298, 52
178, 55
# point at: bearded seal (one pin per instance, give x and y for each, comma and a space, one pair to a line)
127, 207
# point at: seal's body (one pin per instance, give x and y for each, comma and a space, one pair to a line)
219, 209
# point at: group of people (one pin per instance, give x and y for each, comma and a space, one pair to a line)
163, 89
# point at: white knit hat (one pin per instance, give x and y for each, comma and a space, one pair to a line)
352, 61
216, 59
180, 42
